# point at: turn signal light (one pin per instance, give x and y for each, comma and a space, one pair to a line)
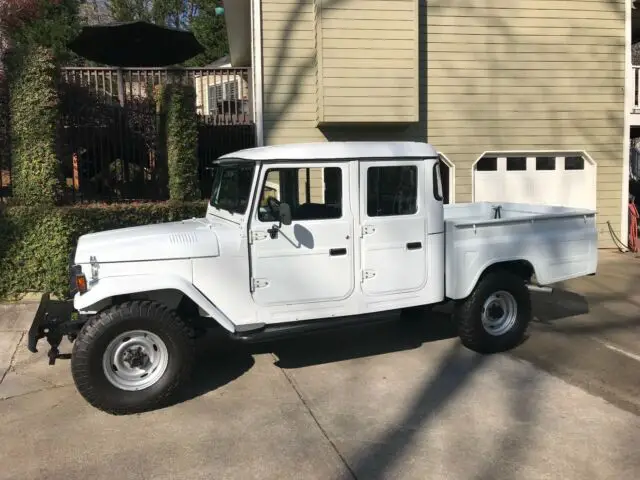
81, 283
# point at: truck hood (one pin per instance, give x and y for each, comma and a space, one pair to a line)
172, 240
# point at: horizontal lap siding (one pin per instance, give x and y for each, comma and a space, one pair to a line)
496, 75
289, 76
528, 75
350, 68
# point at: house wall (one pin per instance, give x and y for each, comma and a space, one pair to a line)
529, 75
352, 41
496, 75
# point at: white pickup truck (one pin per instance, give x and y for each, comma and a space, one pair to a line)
303, 237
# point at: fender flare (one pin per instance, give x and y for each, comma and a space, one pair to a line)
109, 287
487, 265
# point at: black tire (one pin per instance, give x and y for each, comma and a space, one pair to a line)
468, 314
94, 338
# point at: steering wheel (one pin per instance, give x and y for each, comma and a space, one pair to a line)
274, 205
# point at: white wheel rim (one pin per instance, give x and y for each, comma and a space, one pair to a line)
135, 360
499, 313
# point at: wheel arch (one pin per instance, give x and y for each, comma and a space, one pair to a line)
520, 267
175, 292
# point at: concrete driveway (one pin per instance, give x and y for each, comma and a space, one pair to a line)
396, 400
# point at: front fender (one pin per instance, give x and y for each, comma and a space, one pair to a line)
109, 287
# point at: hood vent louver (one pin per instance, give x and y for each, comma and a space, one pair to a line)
183, 238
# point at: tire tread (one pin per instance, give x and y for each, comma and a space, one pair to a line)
470, 329
80, 365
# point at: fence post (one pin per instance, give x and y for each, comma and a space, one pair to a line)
249, 80
120, 87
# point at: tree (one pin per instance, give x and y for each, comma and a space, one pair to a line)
56, 24
14, 14
95, 12
211, 31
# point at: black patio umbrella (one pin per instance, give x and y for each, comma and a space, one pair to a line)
135, 44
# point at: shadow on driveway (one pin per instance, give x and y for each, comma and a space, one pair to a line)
221, 360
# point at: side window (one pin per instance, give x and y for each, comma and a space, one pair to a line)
392, 190
313, 193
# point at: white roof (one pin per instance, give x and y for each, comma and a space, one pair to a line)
335, 150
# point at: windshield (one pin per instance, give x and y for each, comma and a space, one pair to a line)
232, 187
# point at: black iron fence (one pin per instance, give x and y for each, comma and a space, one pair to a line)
223, 95
109, 137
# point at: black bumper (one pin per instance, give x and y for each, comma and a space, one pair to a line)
53, 321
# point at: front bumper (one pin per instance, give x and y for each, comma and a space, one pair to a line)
53, 320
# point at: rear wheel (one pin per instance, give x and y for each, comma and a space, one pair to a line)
495, 317
132, 357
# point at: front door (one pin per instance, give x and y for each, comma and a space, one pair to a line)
393, 227
311, 260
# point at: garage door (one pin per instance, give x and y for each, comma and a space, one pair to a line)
567, 180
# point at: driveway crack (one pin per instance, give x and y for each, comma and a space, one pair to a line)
13, 358
315, 419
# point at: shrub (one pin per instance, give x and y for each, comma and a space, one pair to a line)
34, 112
36, 242
178, 103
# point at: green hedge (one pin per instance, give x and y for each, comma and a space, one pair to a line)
35, 242
34, 108
178, 104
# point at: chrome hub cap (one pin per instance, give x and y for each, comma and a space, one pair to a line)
135, 360
499, 313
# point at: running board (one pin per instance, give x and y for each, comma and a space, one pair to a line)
278, 331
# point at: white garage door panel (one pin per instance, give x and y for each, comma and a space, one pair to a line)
569, 188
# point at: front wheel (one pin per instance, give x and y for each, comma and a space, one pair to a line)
132, 357
495, 317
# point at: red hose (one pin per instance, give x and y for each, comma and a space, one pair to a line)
633, 227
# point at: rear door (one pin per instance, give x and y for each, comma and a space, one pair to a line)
393, 227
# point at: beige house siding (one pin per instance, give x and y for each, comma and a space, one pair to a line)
367, 61
290, 75
289, 72
496, 75
528, 75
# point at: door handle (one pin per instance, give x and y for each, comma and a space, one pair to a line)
334, 252
414, 245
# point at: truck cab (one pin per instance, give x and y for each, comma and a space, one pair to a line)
362, 231
304, 237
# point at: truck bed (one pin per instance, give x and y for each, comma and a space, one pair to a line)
559, 242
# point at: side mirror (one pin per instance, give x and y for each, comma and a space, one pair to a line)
285, 214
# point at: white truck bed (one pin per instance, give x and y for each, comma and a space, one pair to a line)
559, 242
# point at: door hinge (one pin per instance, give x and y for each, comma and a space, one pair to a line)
367, 230
258, 283
256, 236
367, 274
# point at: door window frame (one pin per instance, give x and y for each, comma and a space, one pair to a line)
297, 165
364, 185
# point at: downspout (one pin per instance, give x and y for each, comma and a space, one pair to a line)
256, 70
629, 92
